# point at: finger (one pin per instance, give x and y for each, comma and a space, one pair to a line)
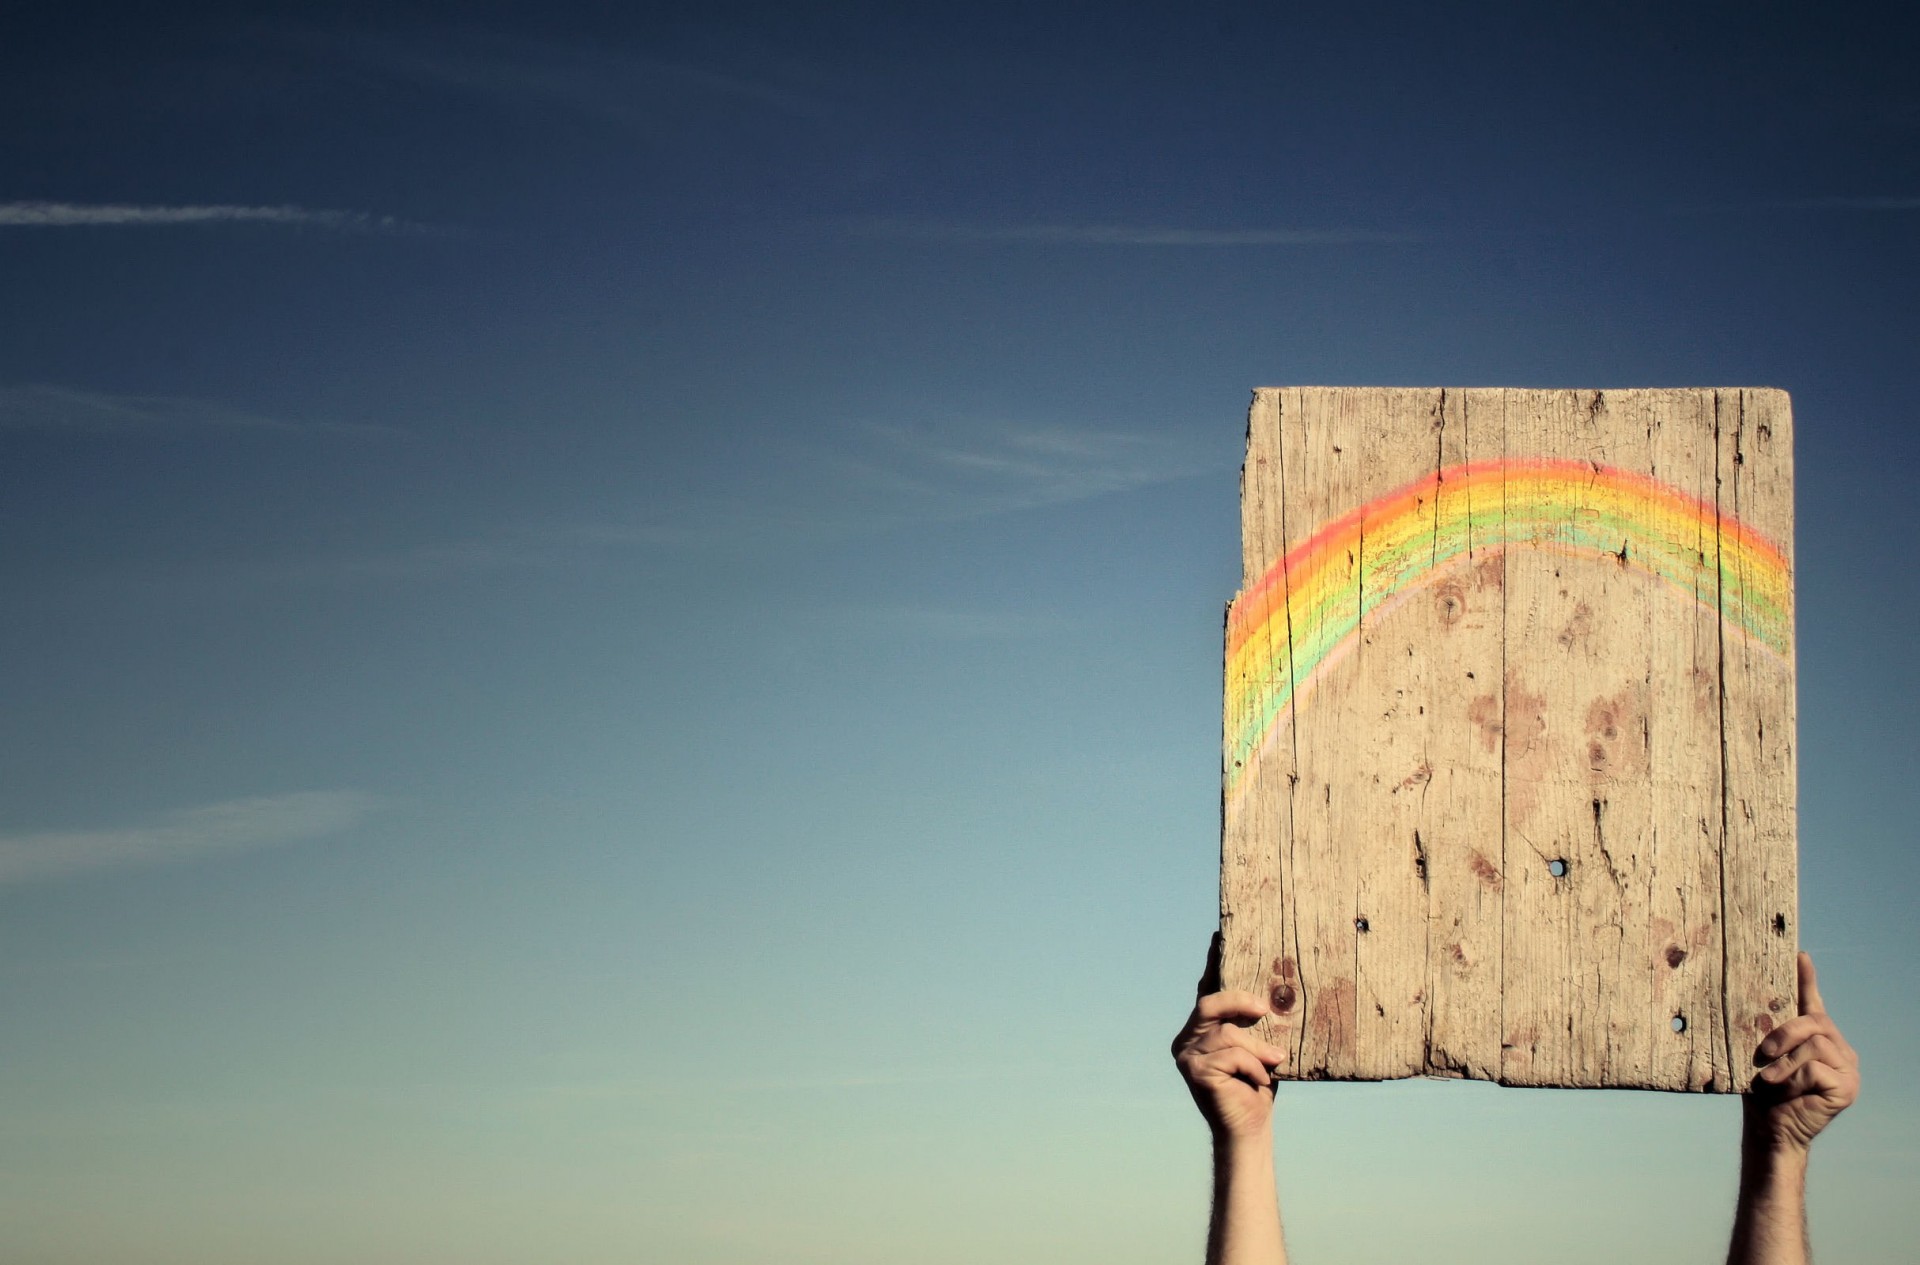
1226, 1036
1230, 1007
1198, 1065
1815, 1049
1210, 978
1221, 1036
1823, 1081
1791, 1034
1237, 1063
1810, 1003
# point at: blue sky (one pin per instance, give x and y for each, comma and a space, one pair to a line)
614, 614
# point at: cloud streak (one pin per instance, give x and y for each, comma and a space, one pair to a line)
221, 829
872, 478
1889, 202
938, 623
892, 477
121, 214
588, 1092
1854, 204
908, 473
43, 407
1128, 235
625, 88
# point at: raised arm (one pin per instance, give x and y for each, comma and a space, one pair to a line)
1808, 1075
1225, 1067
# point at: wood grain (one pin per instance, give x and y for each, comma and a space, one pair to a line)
1501, 800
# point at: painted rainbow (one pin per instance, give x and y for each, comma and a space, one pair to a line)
1287, 630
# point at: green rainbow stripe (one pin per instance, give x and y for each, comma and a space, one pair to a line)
1285, 631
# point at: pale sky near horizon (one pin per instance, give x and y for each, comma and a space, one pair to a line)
613, 642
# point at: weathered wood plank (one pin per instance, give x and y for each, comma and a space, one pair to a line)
1577, 808
1681, 947
1258, 936
1321, 467
1478, 815
1758, 881
1461, 825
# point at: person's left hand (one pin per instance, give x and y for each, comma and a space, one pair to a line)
1225, 1065
1808, 1073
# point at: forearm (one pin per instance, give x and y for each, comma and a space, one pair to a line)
1770, 1224
1246, 1205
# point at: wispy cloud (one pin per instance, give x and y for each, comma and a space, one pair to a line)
616, 85
1853, 204
939, 623
40, 406
1748, 206
885, 477
122, 214
611, 1090
225, 828
524, 549
1126, 234
918, 474
873, 478
505, 548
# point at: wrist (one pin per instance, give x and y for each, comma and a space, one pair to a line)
1238, 1147
1762, 1144
1773, 1162
1775, 1155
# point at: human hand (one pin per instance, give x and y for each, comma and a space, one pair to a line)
1225, 1065
1808, 1075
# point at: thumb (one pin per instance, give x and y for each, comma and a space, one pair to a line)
1210, 978
1810, 1003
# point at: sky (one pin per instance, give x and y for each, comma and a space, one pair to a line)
612, 644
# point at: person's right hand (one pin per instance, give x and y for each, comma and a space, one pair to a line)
1225, 1065
1808, 1073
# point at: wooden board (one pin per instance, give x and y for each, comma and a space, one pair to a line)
1508, 778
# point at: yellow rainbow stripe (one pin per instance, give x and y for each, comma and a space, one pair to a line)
1285, 631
